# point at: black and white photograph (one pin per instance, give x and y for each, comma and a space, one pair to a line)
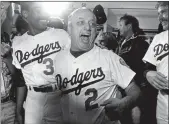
84, 62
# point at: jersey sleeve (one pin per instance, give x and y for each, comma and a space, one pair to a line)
120, 71
150, 52
64, 36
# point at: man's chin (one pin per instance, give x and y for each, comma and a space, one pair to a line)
88, 48
165, 25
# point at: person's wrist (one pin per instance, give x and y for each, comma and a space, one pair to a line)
120, 107
19, 108
145, 73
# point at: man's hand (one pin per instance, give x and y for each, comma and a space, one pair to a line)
5, 49
157, 80
111, 108
98, 40
115, 108
111, 103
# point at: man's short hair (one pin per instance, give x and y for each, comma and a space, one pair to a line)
72, 13
129, 19
162, 3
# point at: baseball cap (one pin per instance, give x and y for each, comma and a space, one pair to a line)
100, 14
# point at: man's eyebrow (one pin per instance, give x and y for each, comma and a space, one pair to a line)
80, 18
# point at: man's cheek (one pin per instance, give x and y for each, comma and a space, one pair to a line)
77, 33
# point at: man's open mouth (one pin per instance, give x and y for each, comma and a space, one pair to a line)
85, 38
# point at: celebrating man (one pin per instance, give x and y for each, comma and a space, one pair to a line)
157, 55
88, 75
33, 53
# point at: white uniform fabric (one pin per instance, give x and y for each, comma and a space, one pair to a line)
34, 56
157, 55
89, 80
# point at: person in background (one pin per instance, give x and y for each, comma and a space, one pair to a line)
8, 105
10, 85
157, 58
33, 54
8, 100
4, 7
133, 46
132, 49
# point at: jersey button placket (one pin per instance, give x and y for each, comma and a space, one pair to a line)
74, 62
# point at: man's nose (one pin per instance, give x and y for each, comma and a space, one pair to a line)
87, 26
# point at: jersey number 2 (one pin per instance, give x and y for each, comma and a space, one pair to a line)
49, 67
90, 99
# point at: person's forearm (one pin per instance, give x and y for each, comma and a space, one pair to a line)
127, 103
20, 98
11, 67
131, 100
21, 94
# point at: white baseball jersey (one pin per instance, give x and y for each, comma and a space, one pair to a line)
34, 54
157, 55
88, 81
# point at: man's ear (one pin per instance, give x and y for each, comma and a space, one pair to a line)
129, 26
69, 27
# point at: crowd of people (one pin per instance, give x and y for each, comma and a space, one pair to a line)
53, 75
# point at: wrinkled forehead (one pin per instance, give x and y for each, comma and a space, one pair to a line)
84, 14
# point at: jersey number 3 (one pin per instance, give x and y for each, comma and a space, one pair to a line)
90, 99
49, 67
